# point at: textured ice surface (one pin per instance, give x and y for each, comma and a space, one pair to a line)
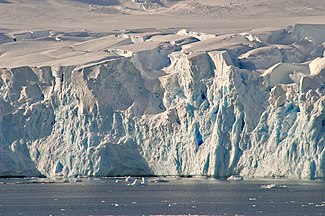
249, 104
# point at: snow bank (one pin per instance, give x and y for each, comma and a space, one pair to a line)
317, 67
280, 73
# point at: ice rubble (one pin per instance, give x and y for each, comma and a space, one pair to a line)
248, 104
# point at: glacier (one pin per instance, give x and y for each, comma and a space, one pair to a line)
184, 103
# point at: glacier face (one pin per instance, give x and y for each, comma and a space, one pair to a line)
250, 104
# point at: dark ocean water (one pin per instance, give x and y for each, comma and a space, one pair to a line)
178, 196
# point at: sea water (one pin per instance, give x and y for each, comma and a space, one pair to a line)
181, 196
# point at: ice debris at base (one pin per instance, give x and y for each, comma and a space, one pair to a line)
159, 180
270, 186
235, 178
250, 104
144, 181
78, 180
129, 179
134, 183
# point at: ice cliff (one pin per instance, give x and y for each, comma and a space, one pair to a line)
249, 104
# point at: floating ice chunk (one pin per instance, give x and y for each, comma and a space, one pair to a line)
235, 178
159, 180
172, 204
135, 183
269, 186
129, 179
144, 181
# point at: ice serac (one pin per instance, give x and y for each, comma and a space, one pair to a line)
249, 104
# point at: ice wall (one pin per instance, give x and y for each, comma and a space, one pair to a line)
195, 109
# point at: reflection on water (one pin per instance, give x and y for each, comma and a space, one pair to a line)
138, 196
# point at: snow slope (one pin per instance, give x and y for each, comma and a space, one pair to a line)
159, 101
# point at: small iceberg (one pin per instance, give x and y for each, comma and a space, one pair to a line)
234, 178
269, 186
159, 180
129, 179
144, 181
136, 182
